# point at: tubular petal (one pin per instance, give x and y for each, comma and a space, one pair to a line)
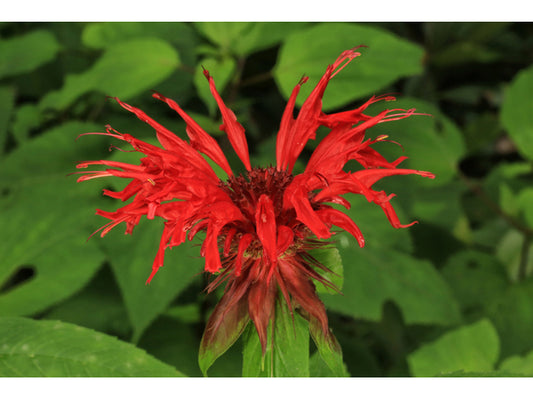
338, 218
233, 129
265, 222
200, 139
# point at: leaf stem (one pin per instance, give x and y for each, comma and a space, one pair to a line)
484, 197
524, 255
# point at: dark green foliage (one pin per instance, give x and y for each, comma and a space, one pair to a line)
451, 296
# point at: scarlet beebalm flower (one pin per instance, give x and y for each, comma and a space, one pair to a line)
259, 226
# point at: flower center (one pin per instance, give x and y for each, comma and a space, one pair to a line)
245, 190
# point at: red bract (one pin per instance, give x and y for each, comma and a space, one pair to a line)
259, 226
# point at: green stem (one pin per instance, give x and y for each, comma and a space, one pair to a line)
524, 256
478, 191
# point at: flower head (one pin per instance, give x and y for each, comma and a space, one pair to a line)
261, 225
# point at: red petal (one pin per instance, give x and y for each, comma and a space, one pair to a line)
200, 139
338, 218
261, 303
287, 121
233, 129
307, 122
243, 245
265, 222
285, 239
171, 142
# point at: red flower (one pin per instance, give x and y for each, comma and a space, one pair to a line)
260, 226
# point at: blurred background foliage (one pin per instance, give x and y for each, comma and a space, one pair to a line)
450, 296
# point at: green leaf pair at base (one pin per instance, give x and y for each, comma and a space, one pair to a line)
287, 351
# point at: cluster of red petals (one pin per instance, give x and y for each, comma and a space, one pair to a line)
259, 226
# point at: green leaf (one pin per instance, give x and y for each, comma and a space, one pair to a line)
471, 348
27, 117
331, 259
329, 349
310, 51
224, 327
319, 369
221, 71
517, 111
7, 100
378, 233
179, 86
520, 365
511, 253
244, 38
25, 53
52, 153
475, 278
382, 275
432, 143
286, 356
131, 259
45, 223
124, 70
512, 314
31, 348
100, 35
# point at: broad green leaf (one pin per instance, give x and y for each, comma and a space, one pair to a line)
331, 259
383, 271
438, 205
27, 117
475, 278
46, 222
24, 53
102, 35
520, 365
517, 111
180, 35
224, 327
329, 349
504, 184
378, 232
432, 143
221, 71
53, 153
47, 233
471, 348
311, 50
511, 252
131, 259
7, 100
511, 312
287, 354
244, 38
31, 348
372, 277
318, 368
124, 70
